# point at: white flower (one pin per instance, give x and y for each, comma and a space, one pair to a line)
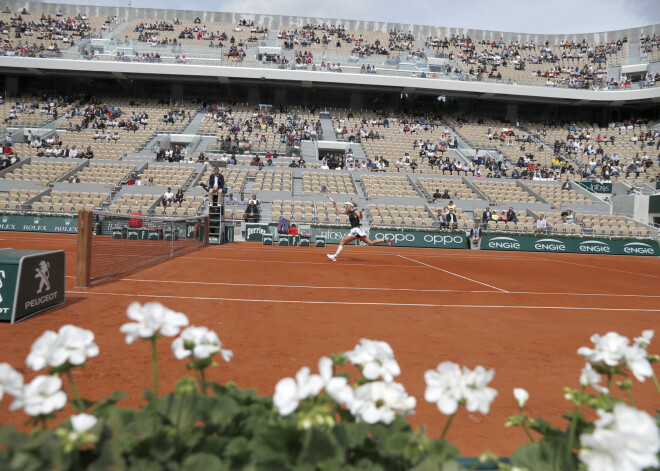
381, 401
376, 359
609, 349
41, 397
638, 363
477, 395
201, 342
449, 385
71, 344
151, 319
289, 392
444, 386
337, 387
11, 381
626, 439
83, 422
645, 340
589, 377
521, 396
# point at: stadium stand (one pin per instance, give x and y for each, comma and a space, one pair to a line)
399, 149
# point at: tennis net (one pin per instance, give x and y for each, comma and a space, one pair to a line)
111, 244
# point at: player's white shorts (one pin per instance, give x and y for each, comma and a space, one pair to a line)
357, 232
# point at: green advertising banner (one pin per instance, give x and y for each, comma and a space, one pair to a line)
400, 238
569, 245
32, 280
59, 224
442, 240
596, 187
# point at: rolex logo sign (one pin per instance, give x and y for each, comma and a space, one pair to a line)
67, 222
5, 219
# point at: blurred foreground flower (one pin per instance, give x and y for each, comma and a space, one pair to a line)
201, 343
11, 381
589, 377
71, 345
625, 439
381, 401
449, 385
289, 392
42, 396
376, 359
521, 396
152, 319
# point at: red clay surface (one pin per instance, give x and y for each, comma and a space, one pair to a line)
281, 308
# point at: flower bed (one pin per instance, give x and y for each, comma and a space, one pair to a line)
348, 415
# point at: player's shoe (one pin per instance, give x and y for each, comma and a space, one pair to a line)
332, 257
388, 242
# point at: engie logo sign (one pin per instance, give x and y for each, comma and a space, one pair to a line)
507, 243
641, 248
594, 246
550, 245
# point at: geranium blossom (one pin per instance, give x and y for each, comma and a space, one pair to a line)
152, 319
589, 377
337, 387
83, 422
636, 360
478, 396
610, 349
625, 439
71, 344
11, 381
381, 401
444, 386
645, 340
200, 342
449, 385
521, 396
289, 392
375, 358
41, 396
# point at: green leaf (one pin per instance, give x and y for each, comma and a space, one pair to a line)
320, 449
145, 464
349, 434
544, 455
203, 462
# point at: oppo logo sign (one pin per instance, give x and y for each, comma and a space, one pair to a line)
507, 243
550, 245
594, 246
443, 239
396, 237
638, 248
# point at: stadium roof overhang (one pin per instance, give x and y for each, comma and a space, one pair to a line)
305, 78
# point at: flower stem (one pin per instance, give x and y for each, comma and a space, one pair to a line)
444, 430
154, 364
528, 434
202, 376
571, 435
632, 401
81, 405
655, 381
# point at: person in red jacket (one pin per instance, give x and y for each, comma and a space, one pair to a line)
293, 230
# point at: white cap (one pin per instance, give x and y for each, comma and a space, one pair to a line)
350, 203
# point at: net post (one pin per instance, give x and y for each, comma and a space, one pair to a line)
84, 255
206, 230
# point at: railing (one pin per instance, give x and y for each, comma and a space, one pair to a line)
206, 57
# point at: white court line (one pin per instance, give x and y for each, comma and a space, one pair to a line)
295, 263
599, 268
455, 274
352, 303
360, 288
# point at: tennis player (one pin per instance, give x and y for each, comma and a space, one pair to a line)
354, 218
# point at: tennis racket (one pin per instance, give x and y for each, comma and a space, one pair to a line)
325, 193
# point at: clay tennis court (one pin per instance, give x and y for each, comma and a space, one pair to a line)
281, 308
